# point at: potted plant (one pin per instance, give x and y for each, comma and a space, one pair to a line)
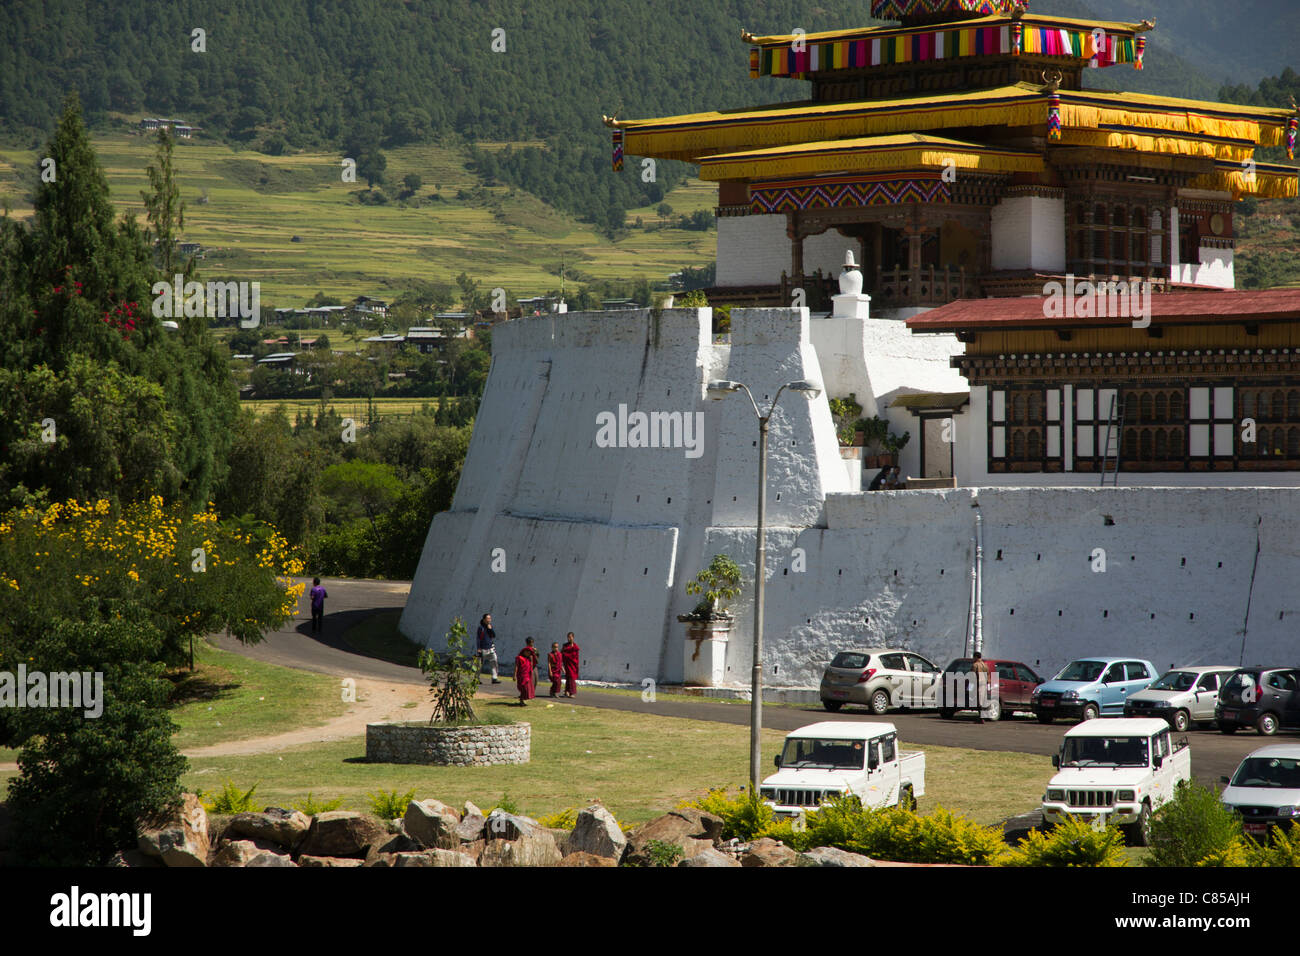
883, 445
709, 624
845, 412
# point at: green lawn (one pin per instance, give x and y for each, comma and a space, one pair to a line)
639, 765
232, 697
257, 204
354, 408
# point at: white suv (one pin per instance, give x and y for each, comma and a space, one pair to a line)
879, 678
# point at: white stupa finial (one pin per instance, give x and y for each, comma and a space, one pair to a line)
849, 261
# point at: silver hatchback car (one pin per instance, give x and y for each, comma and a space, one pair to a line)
879, 678
1182, 696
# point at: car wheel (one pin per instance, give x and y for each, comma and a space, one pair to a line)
1044, 718
1227, 728
1139, 833
833, 705
907, 799
1091, 712
880, 703
1006, 713
945, 713
1181, 721
1266, 725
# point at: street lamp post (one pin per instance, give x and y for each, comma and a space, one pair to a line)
719, 390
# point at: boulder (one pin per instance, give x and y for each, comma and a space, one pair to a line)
340, 861
127, 858
473, 850
508, 826
597, 833
271, 859
469, 810
343, 833
690, 829
178, 837
241, 852
832, 856
276, 825
587, 859
400, 843
710, 857
432, 823
768, 852
433, 858
471, 827
533, 847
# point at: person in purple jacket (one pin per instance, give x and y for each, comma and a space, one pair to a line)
318, 596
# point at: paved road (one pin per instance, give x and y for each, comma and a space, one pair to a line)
1213, 754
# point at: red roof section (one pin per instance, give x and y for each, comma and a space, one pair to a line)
1170, 308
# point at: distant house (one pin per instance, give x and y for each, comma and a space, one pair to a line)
308, 343
367, 306
181, 128
429, 340
539, 304
613, 305
283, 360
282, 342
390, 341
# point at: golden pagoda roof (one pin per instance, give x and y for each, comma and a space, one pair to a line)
871, 33
870, 154
697, 135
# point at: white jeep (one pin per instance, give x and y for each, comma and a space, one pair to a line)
834, 757
1116, 771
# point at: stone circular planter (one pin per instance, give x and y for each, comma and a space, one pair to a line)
476, 746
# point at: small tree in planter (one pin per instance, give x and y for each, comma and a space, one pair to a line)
719, 582
845, 412
453, 677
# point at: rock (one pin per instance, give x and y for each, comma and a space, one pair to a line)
432, 823
276, 825
768, 852
534, 847
397, 844
133, 858
508, 826
473, 850
469, 810
241, 852
271, 859
178, 837
343, 833
340, 861
471, 827
832, 856
690, 829
710, 857
587, 859
597, 833
433, 858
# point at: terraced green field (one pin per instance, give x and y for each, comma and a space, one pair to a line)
258, 204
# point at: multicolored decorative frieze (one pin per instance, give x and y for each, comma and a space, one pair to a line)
618, 150
798, 195
898, 9
800, 58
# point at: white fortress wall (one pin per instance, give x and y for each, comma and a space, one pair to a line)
1029, 233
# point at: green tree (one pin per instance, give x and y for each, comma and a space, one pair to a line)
361, 486
163, 206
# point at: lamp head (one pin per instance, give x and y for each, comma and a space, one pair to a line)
810, 390
720, 388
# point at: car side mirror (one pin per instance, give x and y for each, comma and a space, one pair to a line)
1056, 761
777, 761
1157, 761
1224, 780
873, 762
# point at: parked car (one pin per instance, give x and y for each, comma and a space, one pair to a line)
1183, 696
1265, 698
1015, 682
834, 757
1265, 790
1120, 771
878, 678
1092, 687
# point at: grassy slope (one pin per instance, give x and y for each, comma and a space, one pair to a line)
258, 203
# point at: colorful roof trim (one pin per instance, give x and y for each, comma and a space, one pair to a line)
869, 154
702, 134
898, 9
1269, 181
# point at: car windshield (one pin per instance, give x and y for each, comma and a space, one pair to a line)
1104, 752
1275, 772
1085, 671
850, 660
806, 753
1175, 680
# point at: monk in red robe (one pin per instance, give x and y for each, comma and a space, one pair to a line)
569, 654
554, 669
525, 673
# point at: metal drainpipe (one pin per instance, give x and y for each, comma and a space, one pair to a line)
978, 638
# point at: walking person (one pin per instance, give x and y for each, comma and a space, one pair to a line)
554, 668
980, 668
569, 654
487, 646
318, 596
537, 663
525, 673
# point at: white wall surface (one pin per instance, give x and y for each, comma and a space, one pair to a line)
1028, 232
